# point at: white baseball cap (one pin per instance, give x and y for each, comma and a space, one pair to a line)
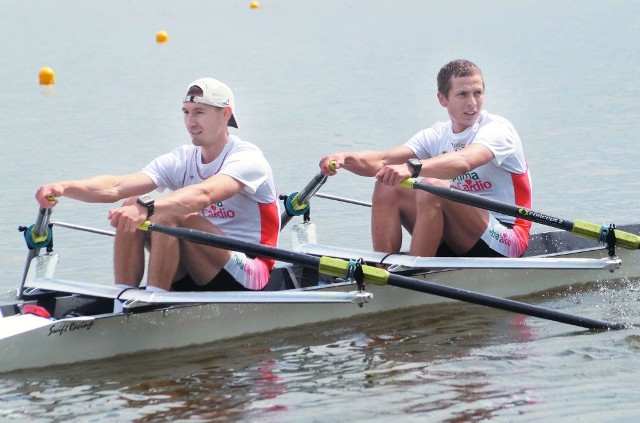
214, 93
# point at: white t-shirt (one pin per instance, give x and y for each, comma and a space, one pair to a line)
253, 214
505, 178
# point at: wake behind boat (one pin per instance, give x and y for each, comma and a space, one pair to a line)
60, 322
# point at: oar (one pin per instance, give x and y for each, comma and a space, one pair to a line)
297, 203
577, 227
609, 264
341, 268
416, 262
37, 236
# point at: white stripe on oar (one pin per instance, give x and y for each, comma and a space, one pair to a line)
241, 297
610, 264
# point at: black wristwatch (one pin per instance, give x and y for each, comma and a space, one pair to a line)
148, 202
416, 165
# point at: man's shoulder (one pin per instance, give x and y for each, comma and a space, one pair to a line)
439, 128
435, 131
178, 154
491, 118
237, 145
184, 149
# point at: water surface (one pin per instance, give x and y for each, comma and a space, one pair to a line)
311, 78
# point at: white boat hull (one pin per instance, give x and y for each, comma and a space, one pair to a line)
28, 341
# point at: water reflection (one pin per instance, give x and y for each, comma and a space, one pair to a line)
448, 362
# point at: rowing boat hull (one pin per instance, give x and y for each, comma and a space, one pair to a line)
39, 342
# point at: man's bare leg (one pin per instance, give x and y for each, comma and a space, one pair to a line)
128, 257
438, 220
429, 225
393, 208
202, 262
164, 256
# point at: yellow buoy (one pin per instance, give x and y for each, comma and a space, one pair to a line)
254, 4
162, 37
47, 76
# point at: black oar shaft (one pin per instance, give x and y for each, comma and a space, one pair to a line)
578, 227
338, 267
490, 204
500, 303
227, 243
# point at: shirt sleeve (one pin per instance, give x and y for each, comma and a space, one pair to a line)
248, 166
168, 170
499, 138
425, 144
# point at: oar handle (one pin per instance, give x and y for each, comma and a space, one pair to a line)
313, 186
299, 203
303, 197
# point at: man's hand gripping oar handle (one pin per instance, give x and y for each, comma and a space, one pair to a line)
579, 227
297, 203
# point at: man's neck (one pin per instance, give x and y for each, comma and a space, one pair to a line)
211, 152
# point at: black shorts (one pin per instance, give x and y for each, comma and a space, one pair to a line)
222, 282
480, 249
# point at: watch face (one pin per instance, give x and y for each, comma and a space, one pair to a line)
145, 199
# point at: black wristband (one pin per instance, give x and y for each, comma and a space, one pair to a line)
149, 203
416, 165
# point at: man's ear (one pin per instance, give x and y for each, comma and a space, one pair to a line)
442, 99
227, 112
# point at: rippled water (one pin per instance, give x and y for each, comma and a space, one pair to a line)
454, 362
311, 78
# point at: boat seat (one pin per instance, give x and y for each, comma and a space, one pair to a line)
291, 277
7, 310
81, 305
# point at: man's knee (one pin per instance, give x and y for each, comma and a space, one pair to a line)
426, 199
383, 193
192, 220
197, 222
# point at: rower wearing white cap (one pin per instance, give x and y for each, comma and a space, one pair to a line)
219, 184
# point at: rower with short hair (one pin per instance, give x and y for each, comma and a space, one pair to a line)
474, 151
218, 184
